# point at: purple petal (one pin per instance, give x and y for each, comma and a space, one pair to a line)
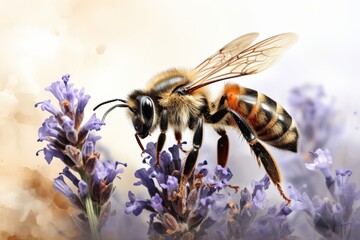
146, 180
47, 106
134, 206
49, 129
65, 78
82, 100
88, 149
223, 173
171, 185
93, 138
68, 127
83, 188
66, 172
202, 168
156, 203
106, 171
62, 187
151, 151
51, 152
205, 205
93, 124
57, 89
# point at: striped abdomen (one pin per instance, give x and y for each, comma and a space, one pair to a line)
269, 119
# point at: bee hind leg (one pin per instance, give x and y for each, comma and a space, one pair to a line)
191, 159
261, 153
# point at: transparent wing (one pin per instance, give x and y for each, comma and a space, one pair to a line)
223, 55
237, 59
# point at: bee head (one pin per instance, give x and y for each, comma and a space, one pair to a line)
143, 117
142, 111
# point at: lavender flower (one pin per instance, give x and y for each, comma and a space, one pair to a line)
205, 212
315, 116
71, 141
252, 220
323, 162
332, 218
173, 218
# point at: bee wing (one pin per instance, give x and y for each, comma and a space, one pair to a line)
237, 59
223, 55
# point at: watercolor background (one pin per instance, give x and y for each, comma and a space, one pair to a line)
113, 47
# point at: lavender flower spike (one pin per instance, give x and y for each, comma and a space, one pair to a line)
70, 141
190, 217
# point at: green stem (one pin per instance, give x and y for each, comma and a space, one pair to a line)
93, 219
91, 212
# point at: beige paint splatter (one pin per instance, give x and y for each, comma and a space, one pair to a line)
31, 208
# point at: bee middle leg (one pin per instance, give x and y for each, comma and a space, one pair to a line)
178, 137
223, 142
191, 159
162, 137
222, 147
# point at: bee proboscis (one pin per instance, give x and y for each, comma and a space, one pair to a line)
180, 99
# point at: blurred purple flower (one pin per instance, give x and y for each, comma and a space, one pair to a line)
300, 200
331, 218
221, 177
250, 221
316, 117
314, 114
322, 161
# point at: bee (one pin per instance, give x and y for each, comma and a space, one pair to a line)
180, 99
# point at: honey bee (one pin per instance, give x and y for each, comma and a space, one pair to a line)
180, 99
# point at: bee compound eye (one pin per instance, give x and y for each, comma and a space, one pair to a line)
147, 110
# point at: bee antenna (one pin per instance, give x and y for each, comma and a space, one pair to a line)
109, 101
112, 108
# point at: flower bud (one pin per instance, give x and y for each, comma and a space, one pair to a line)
169, 222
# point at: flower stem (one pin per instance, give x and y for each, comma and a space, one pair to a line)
93, 219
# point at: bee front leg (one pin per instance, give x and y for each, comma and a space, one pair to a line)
162, 137
261, 153
191, 159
